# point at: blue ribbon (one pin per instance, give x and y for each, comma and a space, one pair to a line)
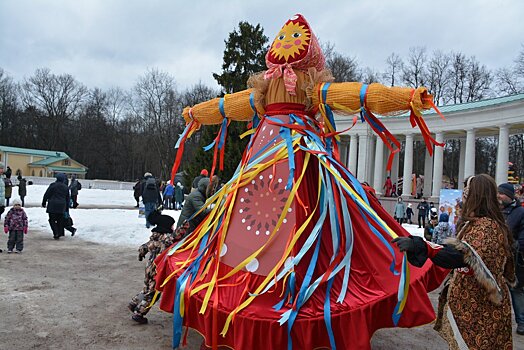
256, 119
221, 107
223, 131
327, 315
364, 116
285, 133
186, 130
363, 90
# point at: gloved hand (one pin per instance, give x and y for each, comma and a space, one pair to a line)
404, 244
6, 229
25, 230
43, 205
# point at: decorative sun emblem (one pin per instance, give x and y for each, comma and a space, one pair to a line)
255, 216
292, 40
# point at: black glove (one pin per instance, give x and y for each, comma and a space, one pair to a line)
404, 244
140, 257
2, 208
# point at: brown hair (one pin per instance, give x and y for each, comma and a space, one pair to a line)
213, 186
480, 200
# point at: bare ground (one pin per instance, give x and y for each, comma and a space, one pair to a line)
72, 294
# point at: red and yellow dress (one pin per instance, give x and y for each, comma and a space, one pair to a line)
295, 253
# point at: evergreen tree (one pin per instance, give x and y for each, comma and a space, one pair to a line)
244, 55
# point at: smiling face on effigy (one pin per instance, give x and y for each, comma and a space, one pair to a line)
291, 42
296, 44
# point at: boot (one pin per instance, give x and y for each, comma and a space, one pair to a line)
139, 319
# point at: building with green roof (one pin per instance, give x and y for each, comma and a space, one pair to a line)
40, 163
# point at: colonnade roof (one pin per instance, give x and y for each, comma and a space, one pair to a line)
478, 104
485, 117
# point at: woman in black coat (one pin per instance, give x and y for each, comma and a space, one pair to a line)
22, 188
57, 199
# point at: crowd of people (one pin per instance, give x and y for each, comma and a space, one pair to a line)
57, 200
484, 250
486, 259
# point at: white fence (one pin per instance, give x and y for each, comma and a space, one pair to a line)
98, 184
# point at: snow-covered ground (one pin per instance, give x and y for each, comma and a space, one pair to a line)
108, 226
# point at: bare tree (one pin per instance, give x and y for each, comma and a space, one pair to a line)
470, 81
198, 93
516, 154
438, 76
8, 104
343, 68
413, 71
507, 82
157, 104
479, 80
57, 96
459, 71
486, 155
117, 104
369, 76
510, 80
393, 70
519, 63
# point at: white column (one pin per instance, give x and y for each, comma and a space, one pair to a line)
370, 160
362, 155
353, 147
428, 174
462, 162
438, 166
408, 166
379, 179
502, 155
469, 162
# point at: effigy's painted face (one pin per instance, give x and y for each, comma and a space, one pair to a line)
291, 42
295, 45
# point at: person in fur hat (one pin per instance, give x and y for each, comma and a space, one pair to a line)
161, 238
474, 308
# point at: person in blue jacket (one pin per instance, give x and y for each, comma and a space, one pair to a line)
169, 191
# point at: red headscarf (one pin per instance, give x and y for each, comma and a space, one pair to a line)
294, 47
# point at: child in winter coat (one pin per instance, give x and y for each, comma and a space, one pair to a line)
15, 223
409, 213
443, 229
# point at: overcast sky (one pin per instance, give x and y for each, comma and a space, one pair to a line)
105, 43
